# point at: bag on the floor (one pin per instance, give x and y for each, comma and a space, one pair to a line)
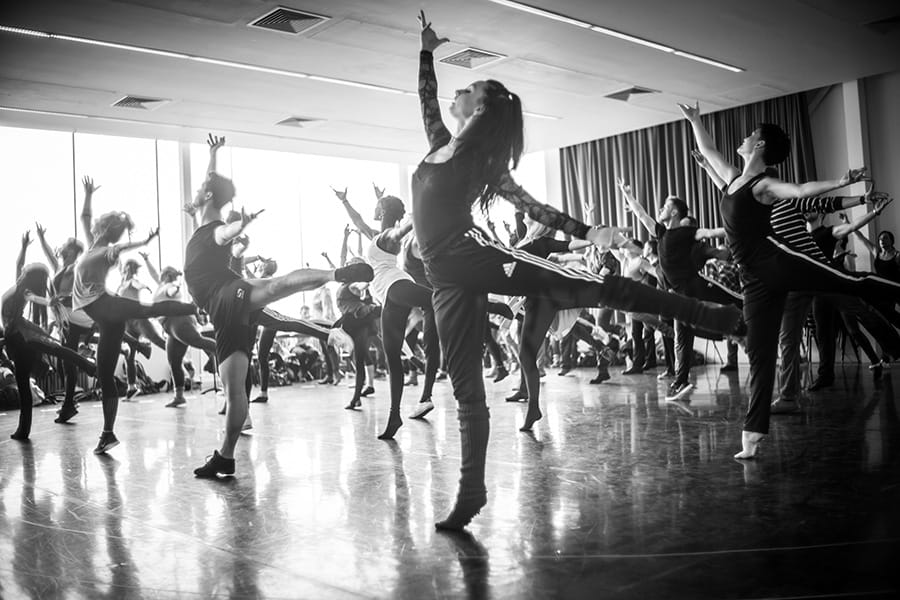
9, 397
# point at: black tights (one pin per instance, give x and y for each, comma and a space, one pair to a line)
72, 336
184, 332
272, 322
111, 313
402, 296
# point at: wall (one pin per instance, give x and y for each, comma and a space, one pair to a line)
882, 94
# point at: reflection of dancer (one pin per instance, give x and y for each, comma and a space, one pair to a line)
233, 302
26, 342
464, 264
110, 312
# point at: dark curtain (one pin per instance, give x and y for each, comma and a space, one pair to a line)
657, 162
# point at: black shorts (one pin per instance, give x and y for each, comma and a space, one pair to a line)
232, 319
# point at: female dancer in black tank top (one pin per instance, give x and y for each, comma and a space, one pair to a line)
771, 269
464, 263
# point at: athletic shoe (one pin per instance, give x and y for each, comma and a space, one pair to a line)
441, 376
601, 377
176, 402
215, 465
107, 441
728, 369
634, 370
65, 413
367, 392
422, 409
248, 423
261, 399
502, 373
667, 374
785, 406
130, 394
564, 371
518, 396
353, 273
678, 390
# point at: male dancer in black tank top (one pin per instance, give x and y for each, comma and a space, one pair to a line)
771, 269
680, 259
233, 302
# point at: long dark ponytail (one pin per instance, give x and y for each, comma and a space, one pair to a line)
493, 142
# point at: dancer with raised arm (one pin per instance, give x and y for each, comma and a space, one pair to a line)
111, 312
233, 303
770, 268
464, 263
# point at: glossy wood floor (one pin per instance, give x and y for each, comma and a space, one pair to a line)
616, 495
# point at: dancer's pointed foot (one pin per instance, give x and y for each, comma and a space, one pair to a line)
261, 399
531, 417
422, 408
65, 413
21, 436
108, 440
502, 373
394, 423
354, 404
750, 441
468, 504
176, 402
517, 396
367, 392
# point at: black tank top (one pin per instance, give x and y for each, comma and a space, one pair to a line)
889, 269
206, 264
747, 223
442, 204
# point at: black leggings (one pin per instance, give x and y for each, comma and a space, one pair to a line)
72, 336
473, 265
184, 332
272, 322
140, 328
401, 297
767, 282
111, 313
361, 329
25, 343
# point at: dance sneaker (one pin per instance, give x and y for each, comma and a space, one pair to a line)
678, 390
518, 396
353, 273
441, 376
785, 406
501, 374
667, 374
634, 370
422, 409
728, 369
602, 375
108, 441
261, 399
176, 402
65, 413
367, 392
215, 465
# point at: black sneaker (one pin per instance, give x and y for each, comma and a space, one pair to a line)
367, 392
678, 390
215, 465
260, 399
65, 413
353, 273
667, 374
634, 370
601, 377
728, 369
108, 441
820, 384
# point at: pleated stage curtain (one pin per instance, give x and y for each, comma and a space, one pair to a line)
657, 162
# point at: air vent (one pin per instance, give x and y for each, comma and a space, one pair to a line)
472, 58
140, 102
288, 20
304, 122
625, 95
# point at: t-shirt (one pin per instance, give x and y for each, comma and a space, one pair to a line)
206, 264
90, 275
676, 253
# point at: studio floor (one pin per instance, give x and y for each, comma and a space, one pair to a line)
617, 494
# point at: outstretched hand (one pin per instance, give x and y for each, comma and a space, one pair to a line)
620, 183
379, 192
881, 204
606, 237
854, 175
342, 196
215, 142
89, 187
41, 230
691, 113
26, 239
153, 233
430, 40
246, 219
145, 256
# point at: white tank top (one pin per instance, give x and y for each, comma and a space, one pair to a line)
384, 264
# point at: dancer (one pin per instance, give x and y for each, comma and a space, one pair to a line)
886, 258
359, 318
464, 264
181, 332
398, 295
233, 303
26, 341
680, 260
110, 312
131, 288
771, 269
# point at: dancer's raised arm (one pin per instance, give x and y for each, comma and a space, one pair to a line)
225, 234
215, 143
87, 211
356, 218
20, 259
845, 229
717, 163
437, 132
151, 270
48, 251
634, 206
774, 189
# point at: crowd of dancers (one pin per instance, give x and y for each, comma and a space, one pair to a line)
431, 290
